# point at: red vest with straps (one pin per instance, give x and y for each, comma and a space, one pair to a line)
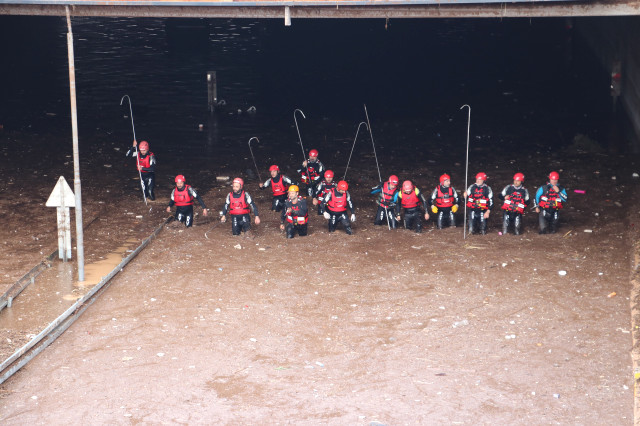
386, 196
293, 216
338, 201
311, 172
410, 201
182, 198
550, 199
515, 203
146, 161
478, 199
238, 205
278, 187
444, 199
325, 188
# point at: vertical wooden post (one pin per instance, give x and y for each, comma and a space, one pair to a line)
212, 90
76, 155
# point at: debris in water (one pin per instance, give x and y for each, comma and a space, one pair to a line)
108, 166
618, 203
579, 191
612, 294
635, 175
237, 246
588, 230
562, 273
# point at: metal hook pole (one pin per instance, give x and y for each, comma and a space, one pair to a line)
254, 158
466, 172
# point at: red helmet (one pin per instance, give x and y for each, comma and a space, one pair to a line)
144, 145
313, 153
180, 178
554, 176
343, 186
328, 174
407, 186
518, 176
444, 177
394, 179
482, 176
239, 180
274, 168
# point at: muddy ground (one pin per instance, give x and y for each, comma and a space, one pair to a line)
388, 327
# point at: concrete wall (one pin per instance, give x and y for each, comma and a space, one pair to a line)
617, 39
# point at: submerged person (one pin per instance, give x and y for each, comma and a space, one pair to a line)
323, 189
516, 199
146, 165
413, 202
444, 202
182, 196
387, 199
479, 198
312, 171
335, 205
239, 204
279, 184
549, 199
295, 213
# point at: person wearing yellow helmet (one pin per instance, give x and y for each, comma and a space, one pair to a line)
295, 214
444, 202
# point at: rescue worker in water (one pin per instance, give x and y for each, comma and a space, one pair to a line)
516, 199
412, 201
549, 199
295, 213
444, 202
182, 196
479, 198
334, 208
146, 164
323, 189
387, 199
238, 204
279, 184
312, 171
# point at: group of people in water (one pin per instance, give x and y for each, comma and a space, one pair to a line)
396, 202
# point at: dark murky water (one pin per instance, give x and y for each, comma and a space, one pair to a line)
518, 75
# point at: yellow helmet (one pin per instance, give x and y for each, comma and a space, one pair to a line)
294, 188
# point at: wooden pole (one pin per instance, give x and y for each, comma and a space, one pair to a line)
212, 90
76, 156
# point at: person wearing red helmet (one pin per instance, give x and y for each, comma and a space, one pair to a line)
295, 213
312, 171
279, 184
516, 199
182, 197
387, 200
550, 198
146, 164
410, 199
238, 204
444, 202
479, 198
334, 207
323, 189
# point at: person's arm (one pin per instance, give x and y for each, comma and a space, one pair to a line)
504, 193
456, 200
536, 200
253, 206
490, 197
132, 152
227, 203
171, 202
350, 203
283, 212
265, 184
425, 204
563, 194
195, 195
432, 199
288, 180
526, 197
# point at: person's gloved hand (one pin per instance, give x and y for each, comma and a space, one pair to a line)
326, 215
353, 217
454, 208
434, 209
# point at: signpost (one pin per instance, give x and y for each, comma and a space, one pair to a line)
62, 197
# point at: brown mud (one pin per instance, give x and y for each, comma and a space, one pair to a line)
382, 326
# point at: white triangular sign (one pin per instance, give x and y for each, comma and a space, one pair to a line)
61, 192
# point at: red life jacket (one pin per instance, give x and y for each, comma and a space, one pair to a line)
515, 203
444, 199
312, 170
278, 187
477, 199
146, 161
238, 205
387, 194
182, 198
410, 201
294, 218
325, 188
550, 199
338, 202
